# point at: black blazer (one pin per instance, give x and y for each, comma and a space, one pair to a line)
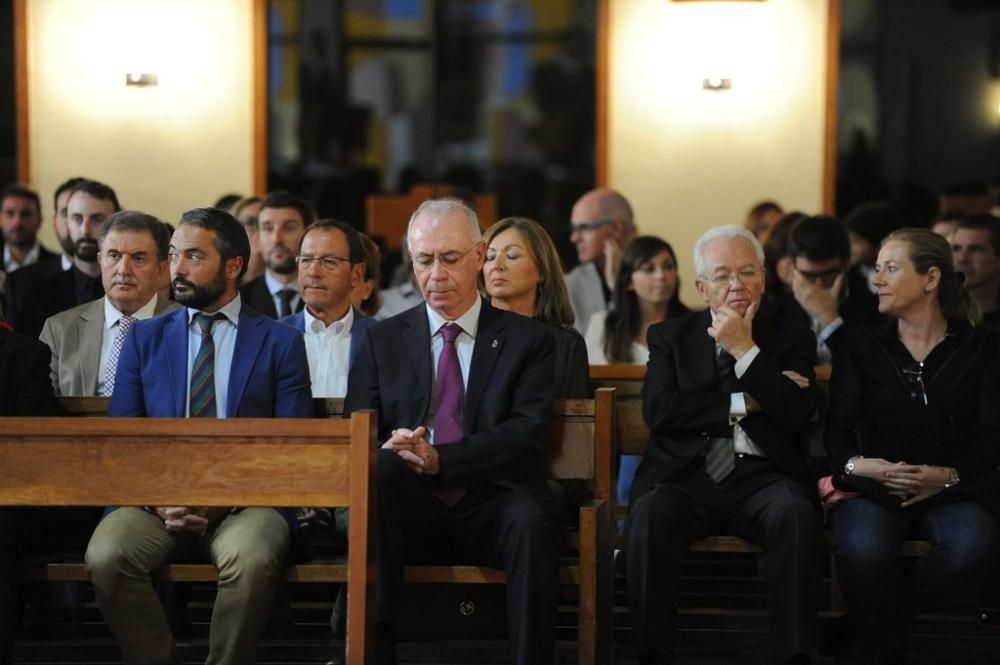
508, 399
44, 294
25, 387
877, 410
255, 294
684, 405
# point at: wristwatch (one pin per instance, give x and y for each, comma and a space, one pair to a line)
953, 478
851, 463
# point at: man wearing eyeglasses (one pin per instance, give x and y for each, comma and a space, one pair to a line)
464, 395
825, 296
601, 227
727, 398
330, 265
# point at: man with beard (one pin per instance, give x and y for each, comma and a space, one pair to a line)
20, 217
89, 204
975, 245
280, 223
214, 358
87, 340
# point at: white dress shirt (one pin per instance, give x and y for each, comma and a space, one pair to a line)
465, 343
224, 336
328, 348
111, 319
595, 343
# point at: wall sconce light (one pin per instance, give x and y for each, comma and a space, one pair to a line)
716, 84
141, 79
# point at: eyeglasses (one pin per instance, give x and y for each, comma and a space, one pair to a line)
589, 226
448, 260
724, 279
329, 262
915, 375
825, 278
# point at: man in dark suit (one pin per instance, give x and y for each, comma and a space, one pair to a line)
464, 395
330, 266
20, 284
20, 218
25, 390
825, 296
280, 223
89, 204
213, 358
727, 400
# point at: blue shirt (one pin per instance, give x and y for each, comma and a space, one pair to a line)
224, 336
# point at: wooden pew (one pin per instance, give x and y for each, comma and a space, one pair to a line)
581, 449
102, 461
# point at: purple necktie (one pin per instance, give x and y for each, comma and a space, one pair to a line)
450, 402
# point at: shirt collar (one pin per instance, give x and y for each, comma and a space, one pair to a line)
112, 315
274, 285
231, 310
341, 326
469, 320
32, 256
67, 261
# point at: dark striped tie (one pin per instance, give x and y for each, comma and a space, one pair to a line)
720, 460
201, 398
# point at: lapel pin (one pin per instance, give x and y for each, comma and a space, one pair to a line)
494, 344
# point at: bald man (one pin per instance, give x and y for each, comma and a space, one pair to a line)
601, 226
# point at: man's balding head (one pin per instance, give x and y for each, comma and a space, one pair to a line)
598, 216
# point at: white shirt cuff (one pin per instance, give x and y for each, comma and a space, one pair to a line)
737, 407
825, 333
741, 366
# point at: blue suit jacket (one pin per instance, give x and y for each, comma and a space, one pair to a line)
361, 323
269, 377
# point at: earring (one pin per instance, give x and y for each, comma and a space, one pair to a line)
927, 292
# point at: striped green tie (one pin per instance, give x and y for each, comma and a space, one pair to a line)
202, 395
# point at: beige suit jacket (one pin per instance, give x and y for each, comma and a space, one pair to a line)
75, 338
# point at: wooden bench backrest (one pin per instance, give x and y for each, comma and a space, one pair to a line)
104, 461
387, 215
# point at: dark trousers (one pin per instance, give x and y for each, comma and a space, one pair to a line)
10, 597
758, 502
882, 592
504, 528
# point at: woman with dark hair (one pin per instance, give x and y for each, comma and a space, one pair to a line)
522, 274
646, 292
366, 295
913, 427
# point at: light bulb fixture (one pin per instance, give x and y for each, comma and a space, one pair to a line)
716, 84
141, 79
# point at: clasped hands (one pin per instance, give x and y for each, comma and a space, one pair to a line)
184, 518
912, 483
416, 451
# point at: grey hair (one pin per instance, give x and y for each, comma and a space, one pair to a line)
727, 231
442, 207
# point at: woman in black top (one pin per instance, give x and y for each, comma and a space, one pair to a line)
913, 426
522, 274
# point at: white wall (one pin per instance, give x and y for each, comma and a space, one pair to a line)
688, 158
163, 149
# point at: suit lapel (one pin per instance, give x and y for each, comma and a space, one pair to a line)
250, 337
176, 332
90, 331
489, 344
418, 330
701, 350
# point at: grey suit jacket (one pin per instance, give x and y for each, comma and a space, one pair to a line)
586, 294
75, 338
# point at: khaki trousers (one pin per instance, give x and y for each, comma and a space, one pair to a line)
248, 548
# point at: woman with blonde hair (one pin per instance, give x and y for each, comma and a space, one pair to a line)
912, 428
522, 274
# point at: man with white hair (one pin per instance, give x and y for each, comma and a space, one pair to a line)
728, 398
